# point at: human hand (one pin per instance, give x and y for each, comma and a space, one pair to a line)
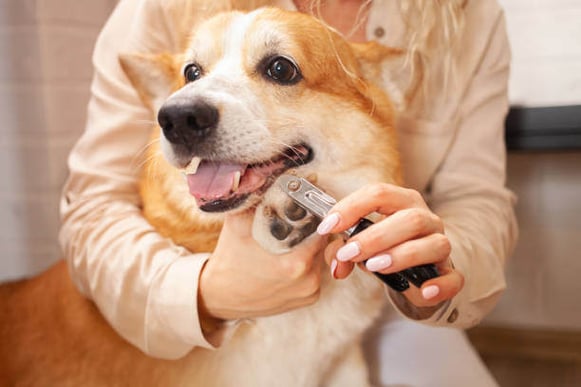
242, 280
408, 235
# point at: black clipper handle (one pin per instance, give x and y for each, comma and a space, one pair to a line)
399, 281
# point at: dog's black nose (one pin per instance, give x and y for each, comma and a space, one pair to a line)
184, 123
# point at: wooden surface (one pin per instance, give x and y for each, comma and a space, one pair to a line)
530, 358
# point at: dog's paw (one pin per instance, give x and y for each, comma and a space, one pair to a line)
280, 223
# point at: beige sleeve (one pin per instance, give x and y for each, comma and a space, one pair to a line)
468, 192
144, 285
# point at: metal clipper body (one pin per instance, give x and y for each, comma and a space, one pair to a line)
318, 203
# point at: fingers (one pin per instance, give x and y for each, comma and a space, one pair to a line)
405, 225
432, 292
339, 270
437, 290
385, 199
434, 248
248, 281
409, 235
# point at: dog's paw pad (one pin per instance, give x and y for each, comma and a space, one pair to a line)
292, 224
303, 232
294, 212
279, 229
280, 223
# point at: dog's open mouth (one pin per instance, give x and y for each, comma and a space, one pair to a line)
224, 185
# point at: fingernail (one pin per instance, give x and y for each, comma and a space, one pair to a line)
333, 268
430, 292
378, 263
328, 223
350, 250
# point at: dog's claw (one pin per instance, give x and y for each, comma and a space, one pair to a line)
282, 224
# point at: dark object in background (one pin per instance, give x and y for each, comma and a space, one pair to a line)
544, 128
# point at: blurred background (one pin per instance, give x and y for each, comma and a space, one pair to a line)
45, 74
533, 337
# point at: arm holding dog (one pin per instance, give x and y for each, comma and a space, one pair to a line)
249, 282
116, 257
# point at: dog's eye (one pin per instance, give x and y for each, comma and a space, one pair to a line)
283, 71
192, 72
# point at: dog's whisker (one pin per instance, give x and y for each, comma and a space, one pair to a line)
151, 123
148, 161
139, 160
152, 169
145, 156
288, 151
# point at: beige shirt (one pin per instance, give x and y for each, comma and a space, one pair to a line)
146, 286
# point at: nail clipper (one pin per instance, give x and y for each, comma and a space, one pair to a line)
318, 203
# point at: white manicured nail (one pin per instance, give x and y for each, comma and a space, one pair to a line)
378, 263
349, 251
430, 292
328, 223
333, 268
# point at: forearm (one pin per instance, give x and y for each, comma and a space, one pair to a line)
135, 276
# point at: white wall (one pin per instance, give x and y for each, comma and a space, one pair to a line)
45, 71
546, 43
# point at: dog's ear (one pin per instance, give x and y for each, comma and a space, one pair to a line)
155, 77
387, 67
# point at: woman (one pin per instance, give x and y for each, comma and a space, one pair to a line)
456, 212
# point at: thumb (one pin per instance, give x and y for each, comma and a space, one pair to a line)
339, 270
331, 250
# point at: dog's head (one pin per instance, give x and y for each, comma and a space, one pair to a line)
256, 94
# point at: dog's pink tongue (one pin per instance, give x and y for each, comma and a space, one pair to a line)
213, 180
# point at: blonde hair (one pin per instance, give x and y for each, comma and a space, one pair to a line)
431, 39
433, 31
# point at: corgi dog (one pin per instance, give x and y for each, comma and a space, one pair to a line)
254, 95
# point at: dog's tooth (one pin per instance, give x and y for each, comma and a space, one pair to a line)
236, 181
192, 167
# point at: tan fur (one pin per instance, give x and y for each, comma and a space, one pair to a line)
53, 336
188, 229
